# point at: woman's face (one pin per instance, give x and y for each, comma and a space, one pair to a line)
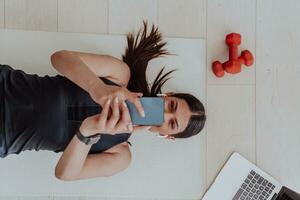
176, 117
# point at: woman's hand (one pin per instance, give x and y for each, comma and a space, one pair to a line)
100, 94
118, 122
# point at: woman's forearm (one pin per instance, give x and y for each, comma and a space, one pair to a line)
72, 160
75, 69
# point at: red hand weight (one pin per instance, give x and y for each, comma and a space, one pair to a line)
235, 62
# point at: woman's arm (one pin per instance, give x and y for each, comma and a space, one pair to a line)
73, 160
85, 68
76, 164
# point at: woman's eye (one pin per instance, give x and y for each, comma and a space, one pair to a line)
172, 104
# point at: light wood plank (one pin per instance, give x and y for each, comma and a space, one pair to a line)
182, 18
72, 198
89, 16
78, 198
1, 13
225, 17
93, 198
31, 14
230, 125
127, 16
35, 198
278, 90
121, 198
10, 198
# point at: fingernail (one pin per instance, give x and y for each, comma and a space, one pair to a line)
143, 114
124, 104
108, 101
117, 100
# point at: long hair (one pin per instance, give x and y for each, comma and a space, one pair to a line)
140, 50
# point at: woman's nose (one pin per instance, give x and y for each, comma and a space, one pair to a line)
167, 115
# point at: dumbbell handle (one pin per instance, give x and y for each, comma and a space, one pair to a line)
233, 52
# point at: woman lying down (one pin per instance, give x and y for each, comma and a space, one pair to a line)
67, 113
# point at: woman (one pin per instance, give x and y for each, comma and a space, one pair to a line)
44, 113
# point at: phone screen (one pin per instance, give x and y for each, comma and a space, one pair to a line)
154, 111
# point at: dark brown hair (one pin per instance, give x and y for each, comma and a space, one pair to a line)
140, 50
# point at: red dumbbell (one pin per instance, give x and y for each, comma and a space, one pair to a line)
234, 64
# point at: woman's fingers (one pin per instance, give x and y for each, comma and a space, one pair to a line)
102, 117
125, 123
139, 94
139, 106
104, 112
136, 101
125, 113
115, 115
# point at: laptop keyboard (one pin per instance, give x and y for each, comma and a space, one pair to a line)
254, 187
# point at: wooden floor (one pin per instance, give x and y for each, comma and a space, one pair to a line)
256, 113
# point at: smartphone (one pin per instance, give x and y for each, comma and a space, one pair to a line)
154, 111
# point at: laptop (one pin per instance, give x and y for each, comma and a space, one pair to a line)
241, 180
